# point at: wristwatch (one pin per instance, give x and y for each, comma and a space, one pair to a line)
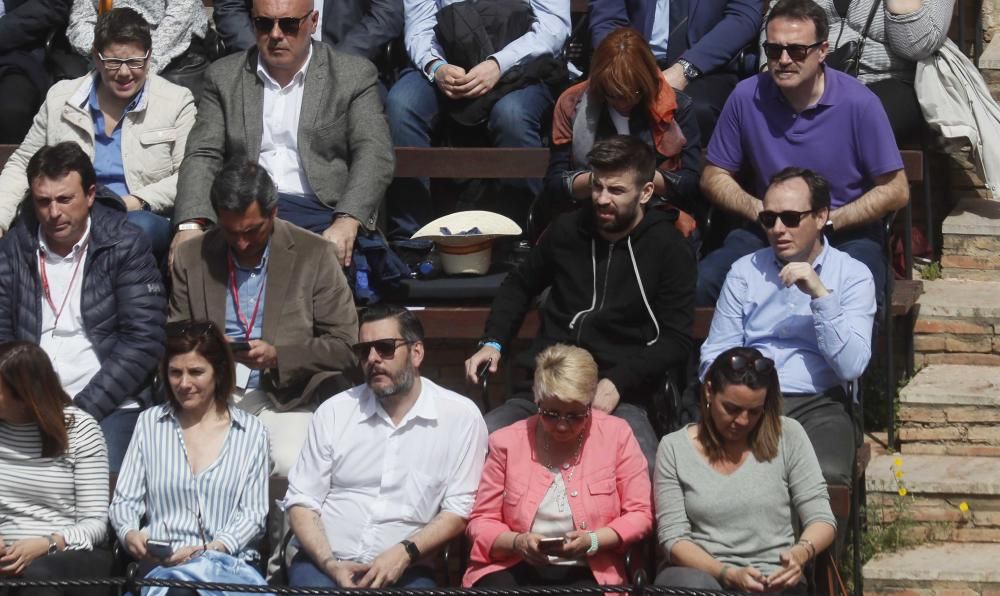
190, 225
411, 549
53, 547
691, 71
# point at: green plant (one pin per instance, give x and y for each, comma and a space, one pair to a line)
931, 271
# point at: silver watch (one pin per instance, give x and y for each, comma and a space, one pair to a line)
691, 71
190, 225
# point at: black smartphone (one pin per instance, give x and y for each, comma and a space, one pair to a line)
239, 346
551, 546
159, 549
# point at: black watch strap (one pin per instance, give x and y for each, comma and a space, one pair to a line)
411, 549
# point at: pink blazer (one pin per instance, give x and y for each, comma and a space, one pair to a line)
610, 488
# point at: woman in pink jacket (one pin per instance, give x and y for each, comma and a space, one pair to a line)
564, 493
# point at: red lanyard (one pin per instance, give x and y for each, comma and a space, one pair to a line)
247, 326
48, 291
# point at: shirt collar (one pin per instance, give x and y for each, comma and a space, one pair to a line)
296, 80
830, 90
136, 104
424, 407
236, 415
259, 266
817, 262
43, 245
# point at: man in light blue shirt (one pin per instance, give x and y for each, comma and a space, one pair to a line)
809, 307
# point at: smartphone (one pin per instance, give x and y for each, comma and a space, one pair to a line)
551, 546
159, 549
239, 346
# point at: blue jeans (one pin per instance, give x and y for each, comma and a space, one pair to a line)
118, 427
712, 270
413, 108
302, 572
157, 230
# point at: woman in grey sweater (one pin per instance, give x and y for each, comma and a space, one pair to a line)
727, 485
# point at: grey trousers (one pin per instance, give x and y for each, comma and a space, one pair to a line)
827, 420
516, 409
696, 579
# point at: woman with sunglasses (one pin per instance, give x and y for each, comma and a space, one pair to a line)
727, 485
563, 492
195, 475
133, 124
627, 94
53, 478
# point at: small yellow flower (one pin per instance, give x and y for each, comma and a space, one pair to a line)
902, 491
963, 507
898, 462
899, 473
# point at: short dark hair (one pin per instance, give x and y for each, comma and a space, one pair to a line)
240, 184
801, 10
410, 327
121, 25
56, 161
206, 339
624, 153
819, 188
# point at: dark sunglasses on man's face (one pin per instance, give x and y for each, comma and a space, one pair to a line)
386, 348
790, 219
796, 51
288, 25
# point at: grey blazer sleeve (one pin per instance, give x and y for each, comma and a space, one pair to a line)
203, 156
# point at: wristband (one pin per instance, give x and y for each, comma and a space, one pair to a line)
491, 343
722, 575
594, 544
435, 68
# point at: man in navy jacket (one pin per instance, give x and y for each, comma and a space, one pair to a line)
80, 280
696, 42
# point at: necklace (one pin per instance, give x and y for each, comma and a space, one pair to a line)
562, 500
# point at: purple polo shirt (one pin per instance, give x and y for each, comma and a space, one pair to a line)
845, 137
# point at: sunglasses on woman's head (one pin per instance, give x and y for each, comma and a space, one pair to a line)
796, 51
288, 25
386, 348
189, 328
790, 219
741, 364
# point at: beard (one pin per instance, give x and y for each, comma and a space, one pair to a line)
399, 383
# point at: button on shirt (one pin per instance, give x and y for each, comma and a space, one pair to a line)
375, 483
816, 344
250, 282
279, 144
108, 148
67, 345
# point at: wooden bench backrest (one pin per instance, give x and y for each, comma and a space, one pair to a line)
471, 162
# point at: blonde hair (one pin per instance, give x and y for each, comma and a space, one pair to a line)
567, 373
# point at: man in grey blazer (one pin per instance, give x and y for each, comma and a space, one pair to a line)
311, 116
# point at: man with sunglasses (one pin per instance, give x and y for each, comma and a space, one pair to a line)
804, 114
808, 306
310, 115
389, 471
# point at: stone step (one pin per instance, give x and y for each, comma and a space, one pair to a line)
936, 570
958, 322
951, 409
946, 498
971, 233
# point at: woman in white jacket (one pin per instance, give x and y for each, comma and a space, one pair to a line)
133, 124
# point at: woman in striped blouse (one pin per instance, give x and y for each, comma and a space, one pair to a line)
53, 477
195, 474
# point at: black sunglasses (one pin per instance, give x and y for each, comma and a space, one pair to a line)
288, 25
790, 219
796, 51
554, 417
743, 364
189, 328
386, 348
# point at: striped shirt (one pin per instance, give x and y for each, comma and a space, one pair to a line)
156, 485
68, 494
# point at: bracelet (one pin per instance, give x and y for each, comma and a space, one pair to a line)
810, 546
722, 575
493, 344
594, 544
436, 66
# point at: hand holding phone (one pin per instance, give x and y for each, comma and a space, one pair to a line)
551, 546
159, 549
239, 346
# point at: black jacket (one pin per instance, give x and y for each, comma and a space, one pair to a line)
596, 303
24, 29
123, 302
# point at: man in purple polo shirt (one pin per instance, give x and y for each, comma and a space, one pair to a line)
801, 113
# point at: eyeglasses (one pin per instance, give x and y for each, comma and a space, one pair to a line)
554, 417
115, 64
796, 51
288, 25
743, 364
189, 328
386, 348
790, 219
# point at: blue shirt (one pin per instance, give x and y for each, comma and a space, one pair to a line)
156, 485
659, 37
845, 137
108, 148
250, 282
816, 344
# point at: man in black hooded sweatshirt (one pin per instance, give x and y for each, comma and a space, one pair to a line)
622, 286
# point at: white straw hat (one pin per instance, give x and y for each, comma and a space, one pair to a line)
465, 239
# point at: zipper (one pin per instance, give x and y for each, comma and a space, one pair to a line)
604, 295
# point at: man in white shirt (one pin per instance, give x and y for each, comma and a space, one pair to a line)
389, 470
80, 281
